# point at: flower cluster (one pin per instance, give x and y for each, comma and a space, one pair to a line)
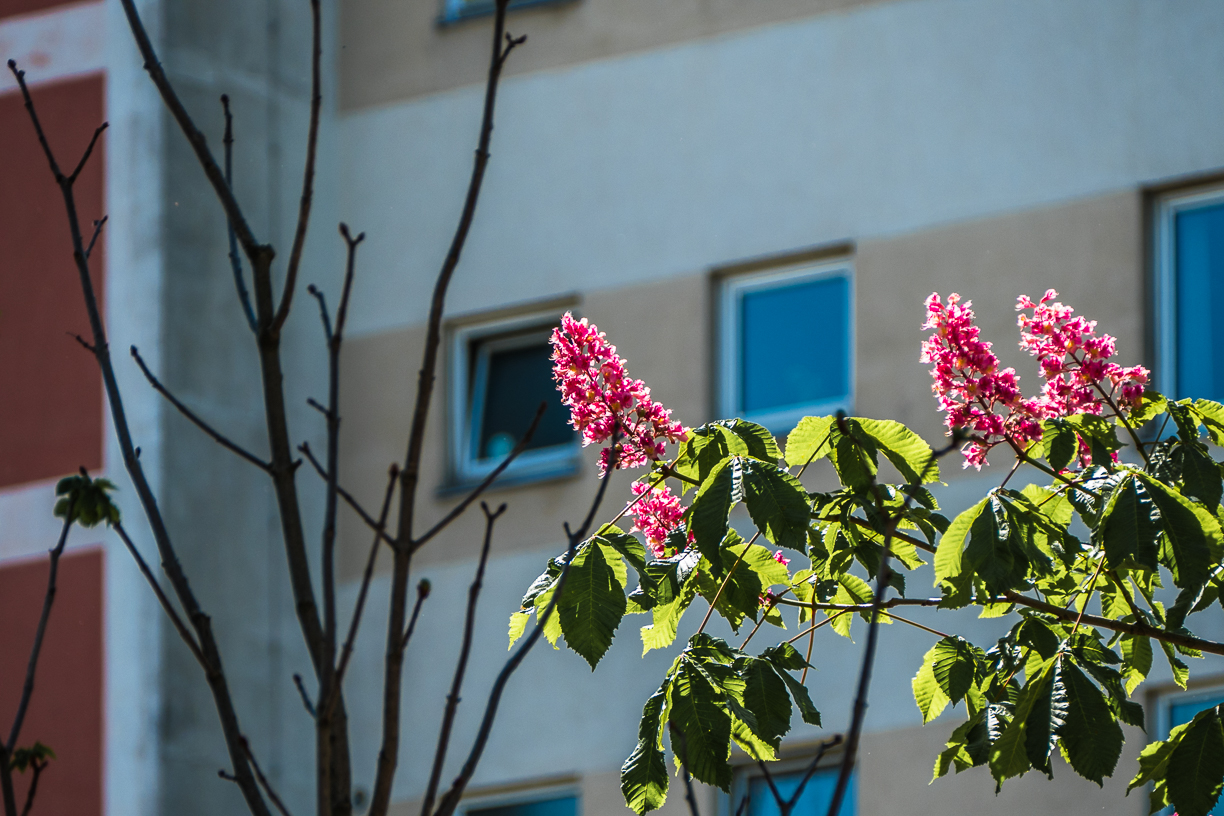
1074, 360
972, 390
656, 513
604, 400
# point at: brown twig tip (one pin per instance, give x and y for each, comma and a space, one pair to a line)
424, 587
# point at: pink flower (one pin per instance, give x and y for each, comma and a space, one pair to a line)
1073, 358
603, 399
655, 515
972, 390
780, 558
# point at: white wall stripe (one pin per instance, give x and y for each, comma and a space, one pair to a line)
61, 43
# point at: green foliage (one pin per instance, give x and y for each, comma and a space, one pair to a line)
1054, 682
88, 500
36, 756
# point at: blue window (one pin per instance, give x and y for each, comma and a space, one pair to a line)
455, 10
787, 345
814, 801
556, 806
1190, 295
500, 374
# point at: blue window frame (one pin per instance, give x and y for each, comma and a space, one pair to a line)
814, 801
500, 373
455, 10
1190, 295
557, 805
787, 344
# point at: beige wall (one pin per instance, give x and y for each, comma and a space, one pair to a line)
1090, 250
393, 50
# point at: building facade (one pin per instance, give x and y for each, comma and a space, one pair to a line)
697, 178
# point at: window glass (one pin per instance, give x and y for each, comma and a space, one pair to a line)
460, 9
559, 806
814, 801
514, 374
808, 361
1199, 331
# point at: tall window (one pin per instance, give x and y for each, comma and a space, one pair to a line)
500, 374
814, 801
786, 344
1190, 295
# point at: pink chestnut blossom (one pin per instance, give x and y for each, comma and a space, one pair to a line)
603, 399
656, 513
1073, 360
971, 388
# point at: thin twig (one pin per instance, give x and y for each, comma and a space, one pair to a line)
726, 580
244, 298
162, 599
448, 803
98, 225
195, 419
811, 770
27, 689
37, 766
88, 152
458, 509
349, 499
301, 687
465, 650
367, 576
423, 588
263, 780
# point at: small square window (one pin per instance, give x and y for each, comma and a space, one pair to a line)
500, 374
786, 345
1190, 295
814, 801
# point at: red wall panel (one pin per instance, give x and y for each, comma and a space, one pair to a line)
50, 388
66, 709
10, 7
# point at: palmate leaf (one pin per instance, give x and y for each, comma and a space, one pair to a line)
1090, 736
698, 711
1201, 476
810, 441
928, 695
784, 659
644, 775
1137, 660
705, 448
906, 450
1211, 414
759, 442
661, 632
1191, 540
949, 555
1009, 754
711, 510
777, 503
766, 697
1130, 526
592, 604
1196, 766
954, 665
1059, 443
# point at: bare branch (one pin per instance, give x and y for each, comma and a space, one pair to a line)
244, 298
367, 576
423, 588
255, 251
458, 509
195, 419
215, 675
452, 699
88, 151
263, 780
301, 687
312, 149
811, 770
27, 689
349, 499
171, 612
98, 225
37, 766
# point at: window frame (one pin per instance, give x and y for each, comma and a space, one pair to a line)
1164, 261
531, 465
731, 289
744, 771
522, 796
456, 11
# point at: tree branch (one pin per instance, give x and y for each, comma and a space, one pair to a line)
244, 298
349, 499
37, 766
195, 419
465, 650
98, 225
27, 689
171, 612
215, 675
